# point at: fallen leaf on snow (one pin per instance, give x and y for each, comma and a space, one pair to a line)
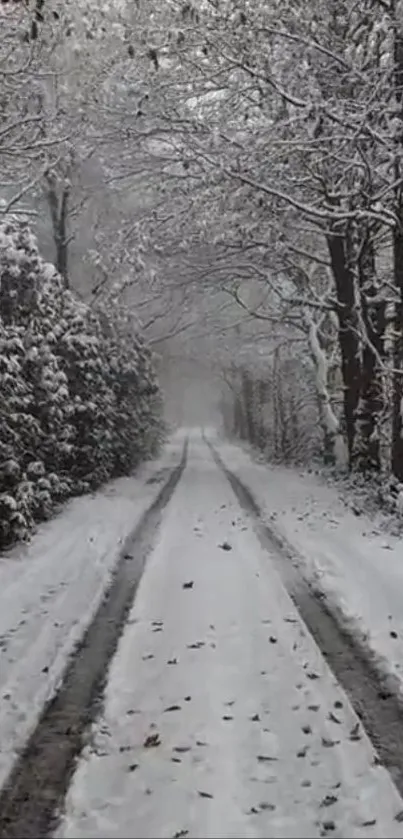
328, 801
355, 732
265, 758
328, 743
152, 740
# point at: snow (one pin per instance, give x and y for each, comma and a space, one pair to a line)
348, 557
214, 724
51, 588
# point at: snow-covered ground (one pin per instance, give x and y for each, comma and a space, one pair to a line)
221, 718
348, 557
50, 589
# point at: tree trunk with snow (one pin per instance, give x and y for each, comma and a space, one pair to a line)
397, 415
347, 333
333, 444
248, 406
397, 408
261, 434
59, 206
366, 452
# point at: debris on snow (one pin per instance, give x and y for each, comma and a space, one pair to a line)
152, 740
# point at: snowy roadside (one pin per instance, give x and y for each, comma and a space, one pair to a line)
346, 557
51, 588
221, 717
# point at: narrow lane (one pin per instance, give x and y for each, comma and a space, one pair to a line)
221, 717
37, 784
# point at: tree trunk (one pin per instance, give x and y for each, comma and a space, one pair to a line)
333, 443
347, 334
59, 215
276, 420
247, 399
397, 419
366, 454
261, 398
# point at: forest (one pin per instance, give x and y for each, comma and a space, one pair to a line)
218, 182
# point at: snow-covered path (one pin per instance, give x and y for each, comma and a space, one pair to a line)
51, 588
349, 558
221, 718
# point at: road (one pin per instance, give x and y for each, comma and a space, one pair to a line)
221, 718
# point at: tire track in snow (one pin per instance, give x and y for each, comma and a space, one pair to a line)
36, 787
375, 699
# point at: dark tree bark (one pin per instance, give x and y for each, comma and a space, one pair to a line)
59, 207
397, 424
366, 453
248, 407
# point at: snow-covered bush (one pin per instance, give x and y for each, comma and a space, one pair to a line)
79, 400
137, 427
